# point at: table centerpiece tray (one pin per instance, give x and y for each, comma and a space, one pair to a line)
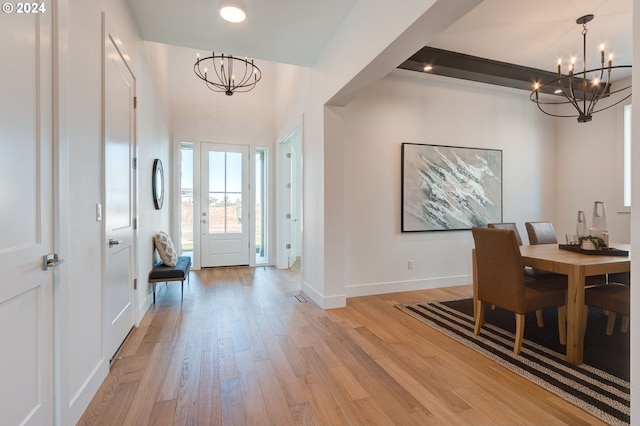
604, 251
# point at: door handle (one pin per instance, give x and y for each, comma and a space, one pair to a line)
51, 261
113, 242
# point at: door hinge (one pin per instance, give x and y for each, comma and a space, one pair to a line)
288, 155
134, 163
135, 283
287, 246
287, 216
135, 223
135, 102
288, 186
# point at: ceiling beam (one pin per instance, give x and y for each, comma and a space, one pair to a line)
467, 67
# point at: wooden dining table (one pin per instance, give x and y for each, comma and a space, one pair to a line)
577, 266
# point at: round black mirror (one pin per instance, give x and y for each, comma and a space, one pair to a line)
157, 183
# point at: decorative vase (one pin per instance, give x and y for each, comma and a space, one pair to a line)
599, 217
581, 226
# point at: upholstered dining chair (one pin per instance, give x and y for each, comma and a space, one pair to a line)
507, 225
614, 298
527, 271
541, 233
500, 281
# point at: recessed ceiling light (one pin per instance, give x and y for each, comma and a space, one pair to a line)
233, 14
428, 68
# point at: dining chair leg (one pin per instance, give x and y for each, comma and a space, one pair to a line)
479, 316
539, 319
624, 327
611, 322
519, 333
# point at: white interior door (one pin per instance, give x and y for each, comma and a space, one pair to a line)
296, 197
288, 240
119, 176
225, 215
290, 200
26, 220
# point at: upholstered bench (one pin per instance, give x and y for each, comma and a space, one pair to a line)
164, 273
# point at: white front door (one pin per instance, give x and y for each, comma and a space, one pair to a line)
119, 201
225, 215
26, 220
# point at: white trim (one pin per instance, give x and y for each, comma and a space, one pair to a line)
619, 168
325, 302
80, 401
408, 285
60, 33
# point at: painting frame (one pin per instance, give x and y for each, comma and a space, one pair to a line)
450, 188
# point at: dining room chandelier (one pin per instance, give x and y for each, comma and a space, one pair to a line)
230, 74
582, 89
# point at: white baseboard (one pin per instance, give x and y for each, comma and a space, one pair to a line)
410, 285
340, 301
325, 302
143, 307
80, 401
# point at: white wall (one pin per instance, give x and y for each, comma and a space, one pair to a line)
406, 107
82, 363
153, 139
589, 169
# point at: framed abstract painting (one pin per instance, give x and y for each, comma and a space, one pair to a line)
447, 188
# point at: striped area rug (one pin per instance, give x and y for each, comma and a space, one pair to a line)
599, 393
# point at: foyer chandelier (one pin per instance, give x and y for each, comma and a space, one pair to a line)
582, 89
230, 74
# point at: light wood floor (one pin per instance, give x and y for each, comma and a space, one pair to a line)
244, 350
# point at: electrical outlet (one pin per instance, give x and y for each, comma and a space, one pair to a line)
410, 264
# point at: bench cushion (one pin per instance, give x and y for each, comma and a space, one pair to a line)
180, 271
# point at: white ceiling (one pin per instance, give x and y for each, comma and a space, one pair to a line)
287, 31
536, 33
525, 32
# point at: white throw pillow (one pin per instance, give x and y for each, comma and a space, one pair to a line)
165, 248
